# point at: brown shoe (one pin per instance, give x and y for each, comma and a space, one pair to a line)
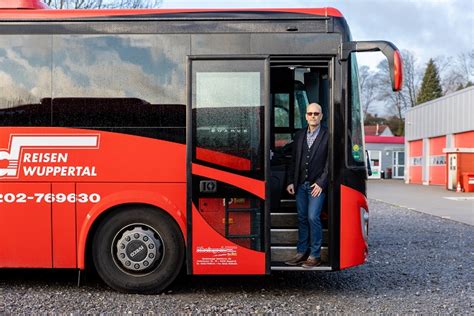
311, 262
299, 258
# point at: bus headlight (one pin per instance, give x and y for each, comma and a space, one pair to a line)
364, 221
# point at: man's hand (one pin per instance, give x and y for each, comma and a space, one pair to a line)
291, 189
316, 191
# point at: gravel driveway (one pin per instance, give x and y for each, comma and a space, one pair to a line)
417, 264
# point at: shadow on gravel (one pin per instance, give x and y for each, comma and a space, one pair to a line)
279, 283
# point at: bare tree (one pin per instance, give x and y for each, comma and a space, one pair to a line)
411, 77
456, 72
368, 88
102, 4
397, 103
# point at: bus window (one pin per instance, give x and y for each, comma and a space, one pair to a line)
356, 156
228, 121
128, 83
25, 80
301, 102
293, 88
282, 109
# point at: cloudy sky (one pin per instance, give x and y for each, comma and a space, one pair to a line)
428, 28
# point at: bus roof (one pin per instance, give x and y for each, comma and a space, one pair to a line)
35, 10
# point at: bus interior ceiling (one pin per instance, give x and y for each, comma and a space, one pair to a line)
292, 86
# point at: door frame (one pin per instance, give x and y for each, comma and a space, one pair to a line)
189, 150
396, 164
333, 194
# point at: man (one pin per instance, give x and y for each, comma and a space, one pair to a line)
308, 178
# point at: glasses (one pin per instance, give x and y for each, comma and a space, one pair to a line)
312, 113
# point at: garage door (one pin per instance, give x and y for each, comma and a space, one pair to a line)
416, 161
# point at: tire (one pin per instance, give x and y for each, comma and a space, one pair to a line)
138, 249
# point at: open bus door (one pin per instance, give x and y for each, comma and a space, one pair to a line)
227, 164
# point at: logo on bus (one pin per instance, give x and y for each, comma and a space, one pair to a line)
35, 157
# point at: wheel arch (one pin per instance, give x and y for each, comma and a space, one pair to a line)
97, 215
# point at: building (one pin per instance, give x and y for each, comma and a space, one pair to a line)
439, 141
386, 152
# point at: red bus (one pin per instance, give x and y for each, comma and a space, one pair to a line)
139, 142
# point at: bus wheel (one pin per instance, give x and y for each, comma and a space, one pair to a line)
138, 249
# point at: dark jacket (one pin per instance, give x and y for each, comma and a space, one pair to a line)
318, 171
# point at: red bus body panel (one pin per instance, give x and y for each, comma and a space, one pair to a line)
353, 246
213, 254
117, 174
19, 222
251, 185
64, 228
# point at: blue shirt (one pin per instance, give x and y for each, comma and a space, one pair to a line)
311, 136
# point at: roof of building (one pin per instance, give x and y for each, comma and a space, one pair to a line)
450, 114
376, 130
385, 139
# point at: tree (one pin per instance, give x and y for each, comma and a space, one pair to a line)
456, 71
374, 119
431, 85
102, 4
411, 77
368, 88
397, 103
396, 124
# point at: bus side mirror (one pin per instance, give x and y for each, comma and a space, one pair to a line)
390, 51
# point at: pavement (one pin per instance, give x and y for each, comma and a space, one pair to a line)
434, 200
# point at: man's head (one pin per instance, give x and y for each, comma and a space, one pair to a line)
314, 115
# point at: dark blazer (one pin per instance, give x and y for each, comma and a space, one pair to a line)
318, 159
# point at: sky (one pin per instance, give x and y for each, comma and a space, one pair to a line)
428, 28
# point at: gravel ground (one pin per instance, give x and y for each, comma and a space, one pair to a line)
417, 264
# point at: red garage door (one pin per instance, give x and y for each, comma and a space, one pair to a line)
437, 160
416, 161
465, 140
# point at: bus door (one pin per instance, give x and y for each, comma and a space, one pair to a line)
227, 164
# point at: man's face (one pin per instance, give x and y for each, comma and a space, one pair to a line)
313, 115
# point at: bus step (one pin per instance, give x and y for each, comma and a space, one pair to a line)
280, 254
287, 205
289, 236
284, 220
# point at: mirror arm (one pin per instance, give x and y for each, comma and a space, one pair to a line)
387, 48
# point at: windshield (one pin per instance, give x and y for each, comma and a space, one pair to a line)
356, 156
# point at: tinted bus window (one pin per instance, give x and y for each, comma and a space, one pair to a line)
229, 113
229, 116
123, 83
25, 80
356, 156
